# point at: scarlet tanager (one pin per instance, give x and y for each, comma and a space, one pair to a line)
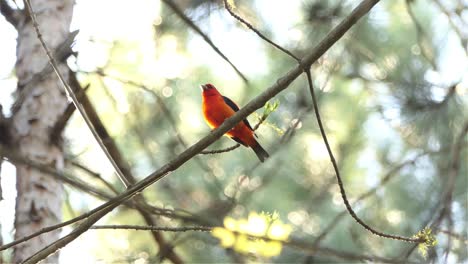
217, 108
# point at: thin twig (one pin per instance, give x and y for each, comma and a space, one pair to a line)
281, 84
155, 228
67, 178
116, 155
94, 175
70, 92
14, 157
292, 243
217, 151
247, 24
337, 173
456, 236
388, 176
205, 37
60, 124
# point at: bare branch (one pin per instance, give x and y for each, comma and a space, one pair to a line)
338, 177
155, 228
456, 236
119, 160
16, 158
388, 176
205, 37
208, 152
71, 93
94, 175
13, 157
59, 126
247, 24
292, 243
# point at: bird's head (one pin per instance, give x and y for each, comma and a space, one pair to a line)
209, 90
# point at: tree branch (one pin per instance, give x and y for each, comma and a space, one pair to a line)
155, 228
93, 174
16, 158
292, 243
388, 176
71, 93
338, 177
119, 160
247, 24
205, 37
69, 179
59, 126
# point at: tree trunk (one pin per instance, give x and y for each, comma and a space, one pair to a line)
40, 104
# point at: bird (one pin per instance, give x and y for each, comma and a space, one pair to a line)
217, 108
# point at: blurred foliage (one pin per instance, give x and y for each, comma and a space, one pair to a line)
381, 100
243, 234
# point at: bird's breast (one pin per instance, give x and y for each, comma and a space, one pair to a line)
215, 114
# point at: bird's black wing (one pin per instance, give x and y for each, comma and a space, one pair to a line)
236, 108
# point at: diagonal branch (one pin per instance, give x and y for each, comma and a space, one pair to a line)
74, 182
247, 24
388, 176
59, 126
119, 160
293, 243
205, 37
71, 93
281, 84
16, 158
93, 174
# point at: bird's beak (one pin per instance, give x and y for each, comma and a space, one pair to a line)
203, 87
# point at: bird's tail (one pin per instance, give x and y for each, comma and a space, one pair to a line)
260, 152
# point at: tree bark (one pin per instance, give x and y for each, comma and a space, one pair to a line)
41, 102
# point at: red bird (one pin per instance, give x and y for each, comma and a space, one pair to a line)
217, 108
